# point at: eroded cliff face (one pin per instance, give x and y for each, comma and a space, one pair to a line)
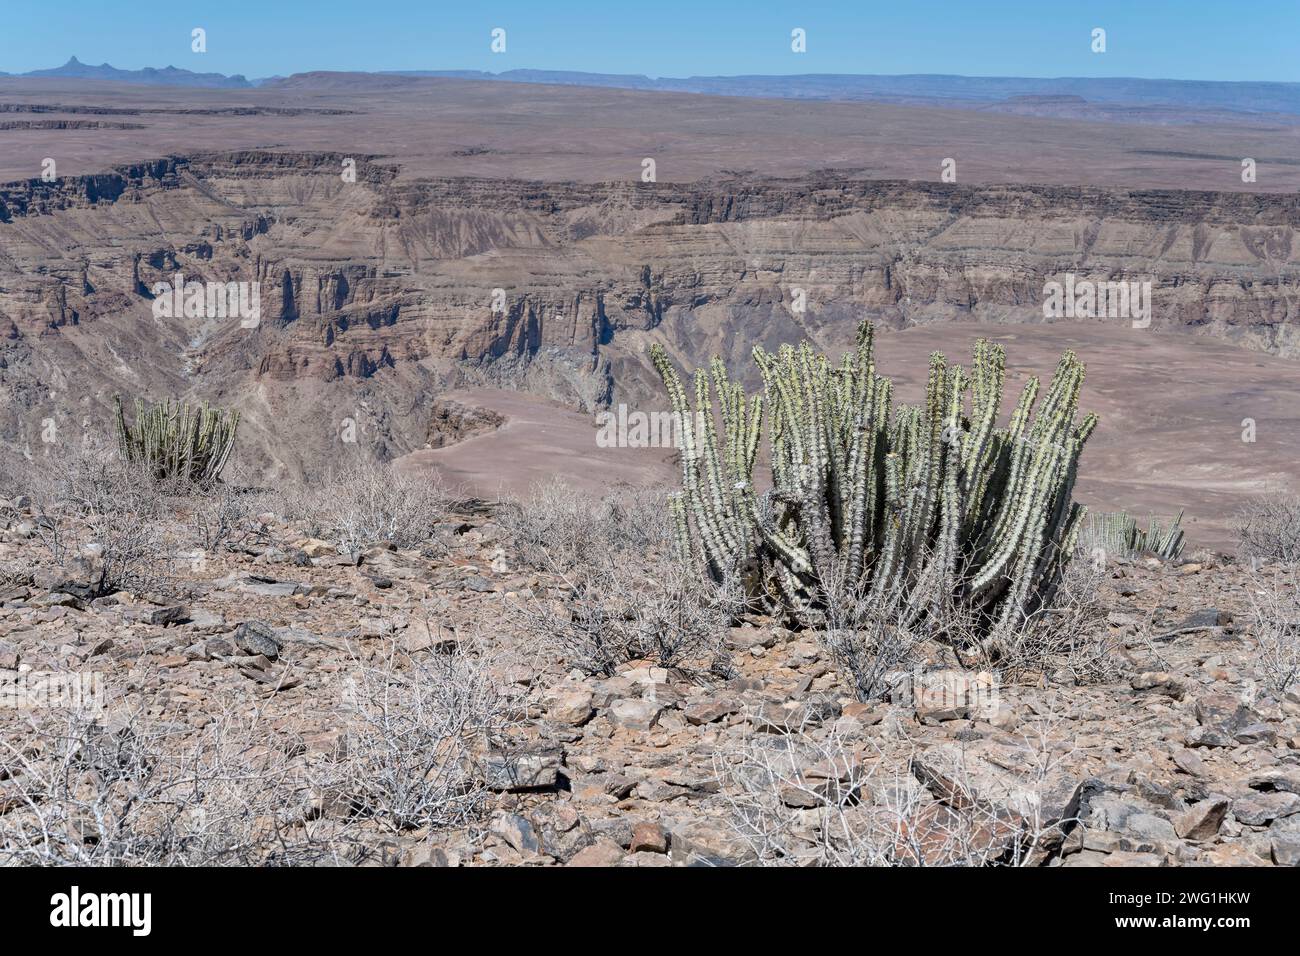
378, 294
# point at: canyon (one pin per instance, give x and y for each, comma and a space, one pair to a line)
419, 238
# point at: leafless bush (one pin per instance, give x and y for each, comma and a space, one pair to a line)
365, 502
871, 637
865, 636
90, 479
627, 596
679, 616
1268, 528
139, 557
104, 520
415, 735
125, 786
88, 789
558, 528
811, 798
799, 800
16, 476
616, 611
1274, 595
221, 517
1067, 638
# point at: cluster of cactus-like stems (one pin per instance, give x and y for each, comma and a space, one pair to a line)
914, 507
1117, 533
173, 440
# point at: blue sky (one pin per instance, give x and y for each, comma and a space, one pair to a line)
1181, 39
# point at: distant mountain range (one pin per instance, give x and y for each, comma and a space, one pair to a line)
167, 76
918, 89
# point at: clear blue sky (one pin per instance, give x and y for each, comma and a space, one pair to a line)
1180, 39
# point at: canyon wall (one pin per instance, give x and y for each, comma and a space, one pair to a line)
376, 295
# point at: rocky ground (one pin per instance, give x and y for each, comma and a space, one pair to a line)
1184, 757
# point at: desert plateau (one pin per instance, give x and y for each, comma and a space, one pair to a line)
659, 457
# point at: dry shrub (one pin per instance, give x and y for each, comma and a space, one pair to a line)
134, 784
624, 595
811, 798
867, 641
16, 477
1268, 528
104, 521
415, 737
557, 528
114, 527
365, 502
614, 612
1068, 638
91, 789
222, 516
870, 639
1274, 596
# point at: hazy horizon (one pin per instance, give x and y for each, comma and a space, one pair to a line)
1191, 41
650, 76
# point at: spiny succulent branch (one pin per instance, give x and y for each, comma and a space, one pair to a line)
1164, 543
912, 506
1117, 533
174, 440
